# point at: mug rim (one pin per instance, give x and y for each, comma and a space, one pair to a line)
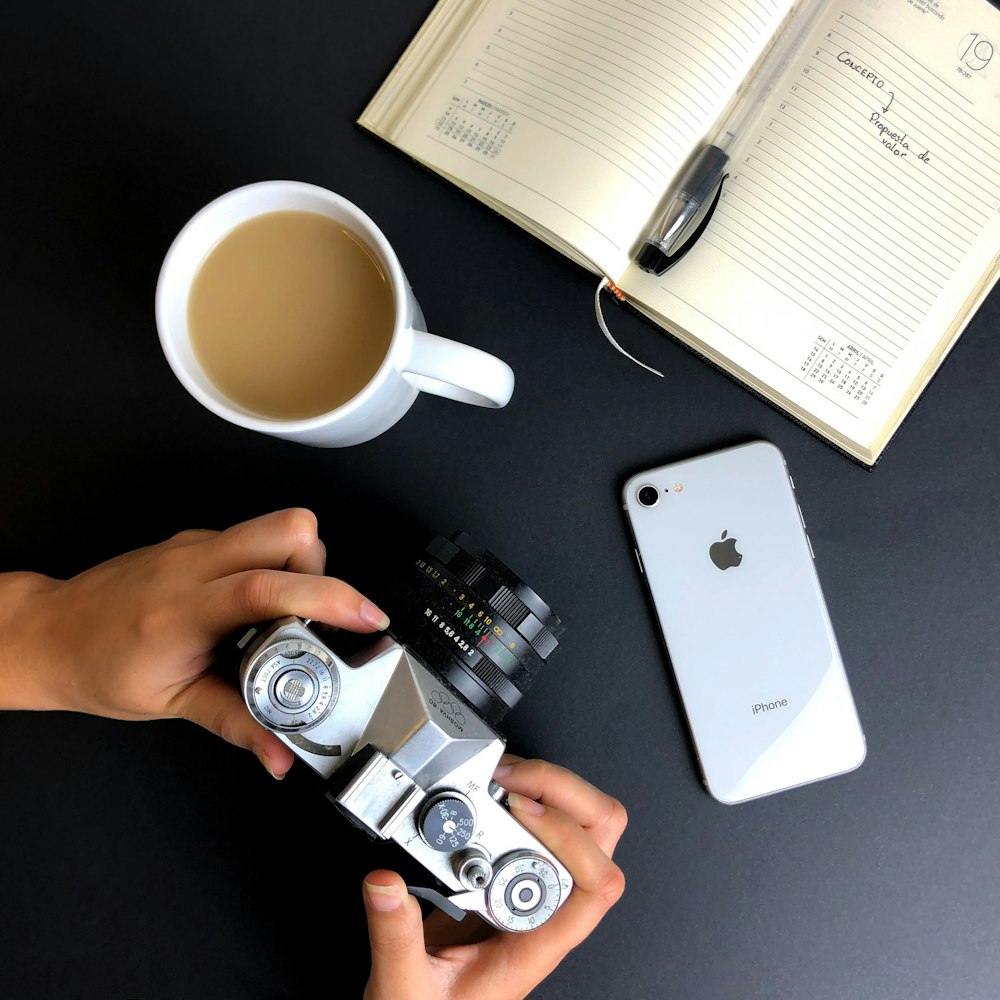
220, 404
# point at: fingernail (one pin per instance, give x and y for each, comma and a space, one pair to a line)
383, 898
267, 766
502, 770
525, 805
374, 615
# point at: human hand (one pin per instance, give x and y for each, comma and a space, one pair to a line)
441, 959
133, 637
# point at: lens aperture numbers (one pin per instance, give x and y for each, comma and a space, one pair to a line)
448, 631
505, 645
473, 622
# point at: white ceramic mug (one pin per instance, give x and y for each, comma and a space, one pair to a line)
416, 360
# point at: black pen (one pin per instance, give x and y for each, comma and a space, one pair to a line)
708, 168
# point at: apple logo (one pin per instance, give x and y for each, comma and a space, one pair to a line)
723, 553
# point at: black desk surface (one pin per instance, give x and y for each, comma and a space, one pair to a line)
153, 861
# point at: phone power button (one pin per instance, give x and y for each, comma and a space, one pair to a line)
638, 559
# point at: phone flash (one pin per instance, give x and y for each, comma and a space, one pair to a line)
678, 487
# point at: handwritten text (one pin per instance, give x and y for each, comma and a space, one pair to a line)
866, 74
896, 142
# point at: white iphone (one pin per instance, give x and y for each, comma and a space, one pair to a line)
722, 544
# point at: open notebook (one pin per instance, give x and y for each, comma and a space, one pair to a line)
859, 227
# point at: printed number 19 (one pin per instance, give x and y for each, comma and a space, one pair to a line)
981, 52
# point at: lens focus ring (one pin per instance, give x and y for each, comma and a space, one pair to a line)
505, 592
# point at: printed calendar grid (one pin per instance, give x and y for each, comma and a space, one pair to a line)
475, 123
842, 370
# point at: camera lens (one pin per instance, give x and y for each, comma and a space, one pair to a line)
648, 496
475, 623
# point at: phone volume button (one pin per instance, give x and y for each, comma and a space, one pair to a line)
638, 559
810, 544
801, 515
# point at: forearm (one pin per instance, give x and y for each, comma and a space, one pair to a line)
24, 656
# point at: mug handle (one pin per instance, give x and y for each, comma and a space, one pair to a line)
457, 371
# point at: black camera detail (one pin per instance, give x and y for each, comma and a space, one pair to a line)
475, 623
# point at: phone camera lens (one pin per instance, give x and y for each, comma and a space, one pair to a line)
648, 496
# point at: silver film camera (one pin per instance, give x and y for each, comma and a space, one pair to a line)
403, 730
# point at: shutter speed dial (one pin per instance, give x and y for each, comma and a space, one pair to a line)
448, 822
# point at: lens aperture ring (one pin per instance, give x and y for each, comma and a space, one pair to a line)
511, 580
469, 672
436, 611
474, 623
498, 587
498, 638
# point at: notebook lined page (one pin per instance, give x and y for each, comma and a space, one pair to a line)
859, 216
577, 113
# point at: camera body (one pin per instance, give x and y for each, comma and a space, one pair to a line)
406, 758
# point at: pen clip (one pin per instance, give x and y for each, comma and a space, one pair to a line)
673, 258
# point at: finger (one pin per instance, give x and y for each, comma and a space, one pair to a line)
286, 539
601, 815
442, 932
590, 867
598, 885
395, 929
258, 595
216, 706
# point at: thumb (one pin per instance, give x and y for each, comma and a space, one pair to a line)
400, 970
216, 706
